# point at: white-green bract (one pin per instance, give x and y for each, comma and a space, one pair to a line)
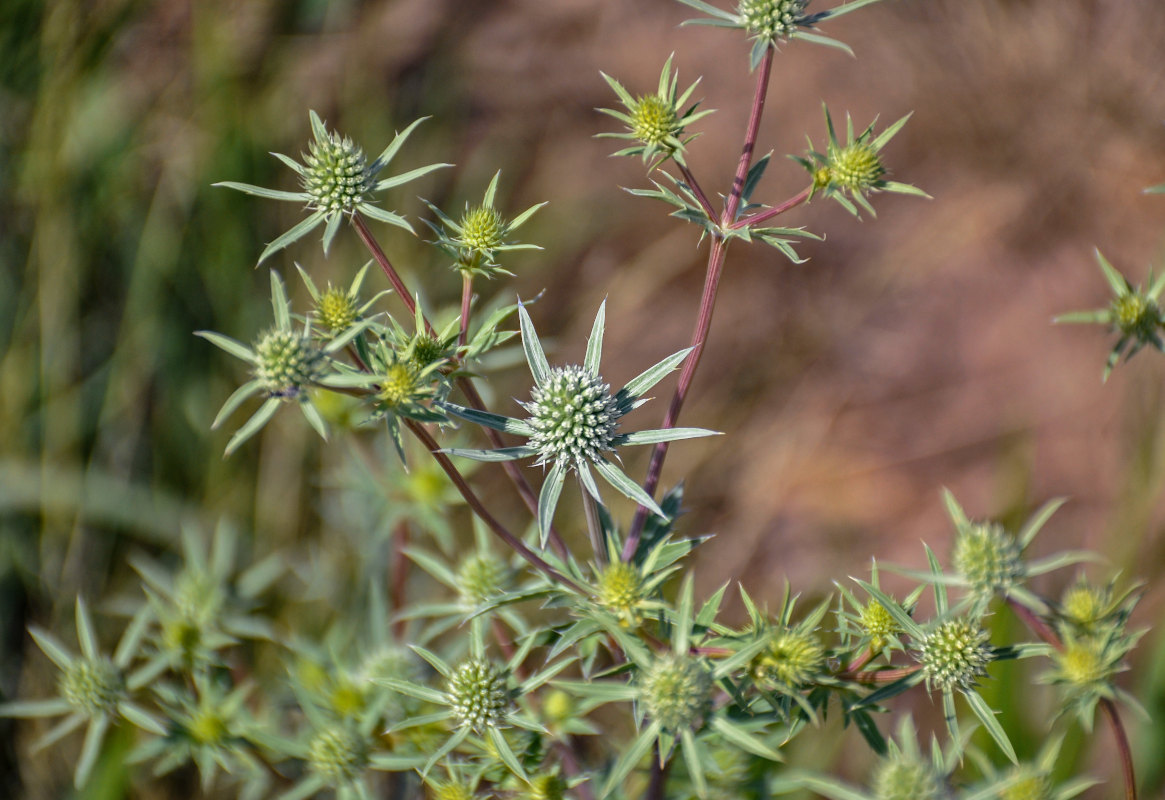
574, 421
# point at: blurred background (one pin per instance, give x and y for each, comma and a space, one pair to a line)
911, 352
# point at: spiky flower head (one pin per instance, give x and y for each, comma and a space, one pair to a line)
1027, 784
574, 421
988, 557
481, 228
656, 122
479, 694
286, 362
792, 659
337, 176
480, 579
337, 309
955, 654
772, 19
848, 171
337, 181
905, 777
547, 786
574, 416
1133, 314
1087, 662
1089, 607
453, 790
619, 590
339, 755
93, 686
878, 624
676, 691
400, 385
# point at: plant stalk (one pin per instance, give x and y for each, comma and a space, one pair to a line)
500, 530
466, 299
716, 258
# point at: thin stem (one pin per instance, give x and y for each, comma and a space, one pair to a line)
594, 529
769, 213
500, 530
699, 335
1045, 632
716, 258
694, 185
386, 265
1122, 746
466, 298
732, 204
880, 676
866, 657
525, 491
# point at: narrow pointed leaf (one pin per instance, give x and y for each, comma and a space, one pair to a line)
395, 145
535, 356
665, 435
254, 424
629, 488
405, 177
631, 756
232, 346
638, 385
1033, 525
295, 234
595, 341
548, 499
991, 723
488, 419
90, 749
270, 194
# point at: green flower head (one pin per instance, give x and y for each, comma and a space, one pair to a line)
475, 241
770, 23
658, 122
573, 421
955, 655
337, 181
1132, 314
848, 171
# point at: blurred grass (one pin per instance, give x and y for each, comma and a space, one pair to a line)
912, 352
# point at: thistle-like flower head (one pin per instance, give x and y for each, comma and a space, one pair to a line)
792, 659
988, 557
848, 171
1133, 314
955, 654
676, 691
574, 420
474, 241
658, 122
770, 23
339, 755
337, 181
479, 694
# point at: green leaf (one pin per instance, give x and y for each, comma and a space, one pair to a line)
500, 454
505, 752
270, 194
253, 425
1116, 281
638, 385
330, 231
312, 415
595, 341
631, 756
90, 749
389, 152
535, 356
835, 790
379, 214
489, 420
405, 177
138, 716
694, 762
987, 717
629, 488
85, 635
548, 499
711, 10
235, 348
29, 709
413, 690
1033, 525
295, 234
744, 740
664, 435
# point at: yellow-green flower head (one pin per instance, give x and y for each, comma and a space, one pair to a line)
772, 19
208, 727
400, 386
677, 692
654, 120
482, 229
338, 755
620, 591
480, 579
558, 706
1084, 662
93, 686
336, 176
988, 557
855, 167
479, 695
902, 777
336, 309
545, 787
792, 659
574, 416
1027, 785
453, 790
1085, 605
955, 654
285, 362
389, 662
877, 623
424, 350
1136, 315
